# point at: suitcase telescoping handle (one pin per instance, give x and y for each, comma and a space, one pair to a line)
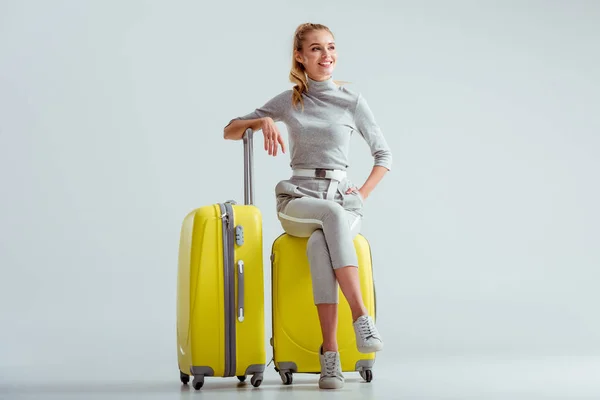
248, 167
248, 199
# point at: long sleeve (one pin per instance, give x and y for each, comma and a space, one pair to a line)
371, 132
274, 108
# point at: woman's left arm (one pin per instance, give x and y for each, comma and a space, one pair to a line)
371, 132
373, 180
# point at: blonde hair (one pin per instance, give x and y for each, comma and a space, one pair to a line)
298, 73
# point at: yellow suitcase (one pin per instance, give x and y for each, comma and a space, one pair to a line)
220, 294
296, 330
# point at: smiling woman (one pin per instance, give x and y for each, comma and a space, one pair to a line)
319, 202
314, 55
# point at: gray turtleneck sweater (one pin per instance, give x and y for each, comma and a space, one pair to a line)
319, 135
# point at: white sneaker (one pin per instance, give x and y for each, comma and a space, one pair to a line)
368, 339
331, 370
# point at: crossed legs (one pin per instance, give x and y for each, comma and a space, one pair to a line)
332, 258
325, 290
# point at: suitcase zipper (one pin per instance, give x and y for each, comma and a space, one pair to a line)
273, 283
232, 308
229, 282
226, 286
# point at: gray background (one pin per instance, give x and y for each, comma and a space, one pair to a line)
485, 233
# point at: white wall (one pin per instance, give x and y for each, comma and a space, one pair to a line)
485, 234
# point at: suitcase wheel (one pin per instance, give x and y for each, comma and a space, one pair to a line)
198, 381
256, 379
242, 378
286, 377
185, 378
367, 375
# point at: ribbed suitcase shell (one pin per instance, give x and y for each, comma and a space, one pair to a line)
211, 338
296, 328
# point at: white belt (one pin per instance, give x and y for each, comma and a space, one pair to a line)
334, 175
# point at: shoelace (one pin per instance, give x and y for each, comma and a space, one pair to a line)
367, 330
330, 365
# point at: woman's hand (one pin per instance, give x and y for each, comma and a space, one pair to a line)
361, 192
374, 178
272, 136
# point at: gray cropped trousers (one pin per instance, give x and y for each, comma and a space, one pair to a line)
330, 224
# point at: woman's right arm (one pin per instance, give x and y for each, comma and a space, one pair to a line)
262, 119
236, 128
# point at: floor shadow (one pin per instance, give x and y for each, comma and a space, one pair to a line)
139, 387
90, 387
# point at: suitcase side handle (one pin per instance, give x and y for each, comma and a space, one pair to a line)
240, 296
248, 167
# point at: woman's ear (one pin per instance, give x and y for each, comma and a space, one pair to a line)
297, 56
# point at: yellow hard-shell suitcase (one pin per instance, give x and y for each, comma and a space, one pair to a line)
296, 329
220, 295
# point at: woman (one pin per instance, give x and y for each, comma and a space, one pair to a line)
318, 201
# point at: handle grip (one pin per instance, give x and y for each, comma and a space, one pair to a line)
240, 296
248, 166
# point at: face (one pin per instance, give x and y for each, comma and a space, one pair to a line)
318, 55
